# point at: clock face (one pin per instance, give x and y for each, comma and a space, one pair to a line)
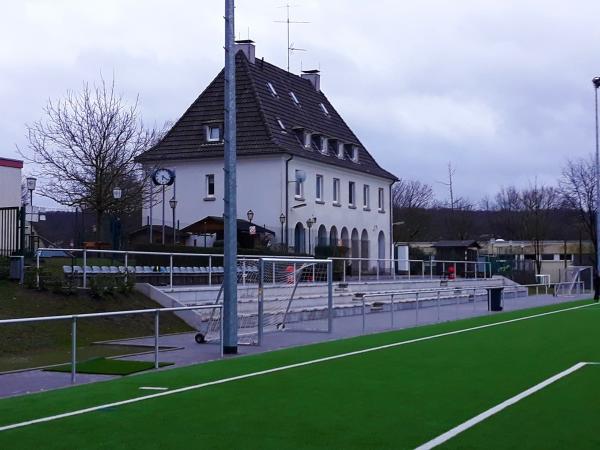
163, 177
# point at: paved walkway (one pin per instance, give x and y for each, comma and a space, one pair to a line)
188, 352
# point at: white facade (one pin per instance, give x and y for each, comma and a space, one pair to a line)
10, 182
261, 187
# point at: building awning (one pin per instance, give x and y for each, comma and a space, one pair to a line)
215, 224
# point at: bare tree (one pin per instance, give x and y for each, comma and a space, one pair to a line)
538, 204
508, 218
578, 189
410, 199
85, 146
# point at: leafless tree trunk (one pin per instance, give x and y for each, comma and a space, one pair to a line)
85, 146
538, 203
410, 199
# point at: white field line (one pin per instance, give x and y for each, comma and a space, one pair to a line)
278, 369
442, 438
153, 388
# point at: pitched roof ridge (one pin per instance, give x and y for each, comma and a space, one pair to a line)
258, 102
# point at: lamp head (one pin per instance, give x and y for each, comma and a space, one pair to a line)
31, 181
282, 218
173, 203
117, 193
596, 81
250, 215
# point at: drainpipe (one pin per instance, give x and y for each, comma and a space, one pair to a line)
391, 225
287, 201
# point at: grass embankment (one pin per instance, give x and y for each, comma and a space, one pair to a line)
39, 344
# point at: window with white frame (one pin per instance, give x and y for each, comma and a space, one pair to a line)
319, 188
281, 125
336, 191
352, 193
324, 145
294, 98
324, 109
210, 185
272, 88
299, 186
213, 133
340, 150
366, 199
307, 140
380, 199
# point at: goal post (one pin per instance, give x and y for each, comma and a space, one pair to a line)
295, 295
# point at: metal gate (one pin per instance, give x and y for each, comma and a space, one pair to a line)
12, 231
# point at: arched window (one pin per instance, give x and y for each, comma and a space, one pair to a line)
364, 250
333, 237
322, 236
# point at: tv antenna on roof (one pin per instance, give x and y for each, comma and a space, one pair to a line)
290, 45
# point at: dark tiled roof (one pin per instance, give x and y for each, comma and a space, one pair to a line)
258, 111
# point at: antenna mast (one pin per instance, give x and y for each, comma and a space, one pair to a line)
290, 45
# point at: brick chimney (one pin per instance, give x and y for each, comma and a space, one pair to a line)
314, 76
247, 46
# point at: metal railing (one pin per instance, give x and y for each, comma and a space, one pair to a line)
156, 311
377, 268
212, 273
458, 292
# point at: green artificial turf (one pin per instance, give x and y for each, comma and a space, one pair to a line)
105, 366
394, 398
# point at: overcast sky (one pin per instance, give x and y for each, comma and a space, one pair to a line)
502, 89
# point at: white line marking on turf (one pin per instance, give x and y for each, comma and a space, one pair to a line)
496, 409
280, 369
153, 388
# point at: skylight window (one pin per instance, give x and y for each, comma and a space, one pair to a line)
272, 89
281, 125
324, 109
295, 99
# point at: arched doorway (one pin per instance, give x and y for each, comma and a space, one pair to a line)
381, 252
322, 236
364, 250
333, 237
299, 238
345, 238
354, 251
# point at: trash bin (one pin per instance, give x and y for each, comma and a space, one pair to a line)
495, 298
17, 268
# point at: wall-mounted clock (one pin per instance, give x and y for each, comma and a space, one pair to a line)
163, 177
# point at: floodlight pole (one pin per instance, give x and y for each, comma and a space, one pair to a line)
229, 315
596, 82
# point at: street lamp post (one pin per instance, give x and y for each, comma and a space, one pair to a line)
282, 222
173, 205
250, 215
596, 82
116, 228
31, 182
309, 224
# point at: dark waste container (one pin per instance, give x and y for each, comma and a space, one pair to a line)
495, 299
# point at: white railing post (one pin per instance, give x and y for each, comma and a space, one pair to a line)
171, 272
126, 262
409, 269
210, 270
84, 269
430, 269
359, 269
423, 269
378, 262
438, 305
417, 308
73, 349
345, 266
363, 314
474, 299
156, 333
243, 272
392, 310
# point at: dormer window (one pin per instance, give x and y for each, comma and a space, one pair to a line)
281, 125
272, 89
307, 140
213, 133
324, 146
324, 109
295, 99
315, 142
351, 152
340, 150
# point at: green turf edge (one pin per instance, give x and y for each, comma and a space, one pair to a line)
31, 406
108, 366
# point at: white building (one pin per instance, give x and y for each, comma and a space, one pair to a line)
297, 160
10, 182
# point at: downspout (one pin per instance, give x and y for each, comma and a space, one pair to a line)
287, 201
391, 224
